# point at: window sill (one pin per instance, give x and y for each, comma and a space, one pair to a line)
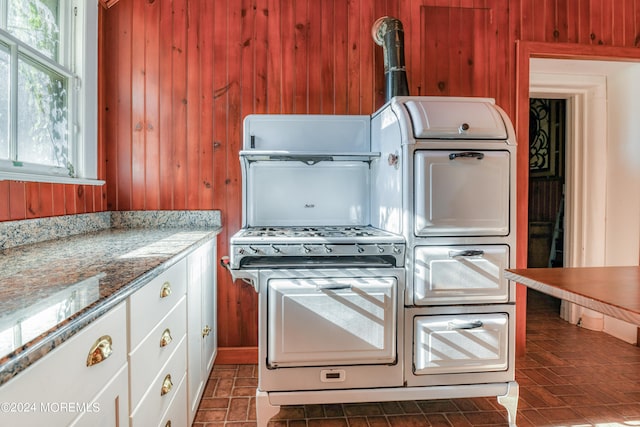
32, 177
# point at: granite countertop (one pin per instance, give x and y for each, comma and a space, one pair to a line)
52, 289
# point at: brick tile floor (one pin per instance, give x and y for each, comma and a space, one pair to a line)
569, 377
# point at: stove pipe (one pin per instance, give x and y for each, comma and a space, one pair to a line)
388, 33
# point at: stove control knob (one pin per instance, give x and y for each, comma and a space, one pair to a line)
241, 251
396, 249
327, 249
306, 249
359, 248
380, 248
275, 249
254, 250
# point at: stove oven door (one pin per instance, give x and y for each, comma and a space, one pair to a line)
328, 321
461, 193
460, 274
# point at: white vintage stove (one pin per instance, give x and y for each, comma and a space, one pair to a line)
377, 245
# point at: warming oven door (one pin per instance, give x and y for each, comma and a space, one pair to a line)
460, 344
316, 321
460, 274
461, 193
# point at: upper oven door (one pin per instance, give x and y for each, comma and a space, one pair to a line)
324, 321
461, 193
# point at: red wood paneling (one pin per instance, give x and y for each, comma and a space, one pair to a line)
188, 71
153, 61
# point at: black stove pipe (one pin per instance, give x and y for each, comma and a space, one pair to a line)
388, 33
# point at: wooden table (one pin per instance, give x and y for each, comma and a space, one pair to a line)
614, 291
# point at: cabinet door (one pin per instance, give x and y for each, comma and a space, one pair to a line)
110, 407
209, 307
42, 392
195, 383
201, 322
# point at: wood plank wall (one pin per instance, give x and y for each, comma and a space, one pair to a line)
27, 200
178, 77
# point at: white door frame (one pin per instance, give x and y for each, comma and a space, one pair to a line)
585, 155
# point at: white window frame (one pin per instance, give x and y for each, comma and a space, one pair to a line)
79, 62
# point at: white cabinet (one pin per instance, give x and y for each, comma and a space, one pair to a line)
163, 390
61, 388
168, 330
201, 322
157, 358
110, 401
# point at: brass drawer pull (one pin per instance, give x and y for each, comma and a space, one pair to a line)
205, 331
166, 385
166, 338
100, 350
165, 291
168, 424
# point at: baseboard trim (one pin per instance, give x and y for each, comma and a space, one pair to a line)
237, 356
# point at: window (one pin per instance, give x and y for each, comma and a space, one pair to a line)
48, 90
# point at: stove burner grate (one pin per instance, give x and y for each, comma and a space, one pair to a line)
349, 231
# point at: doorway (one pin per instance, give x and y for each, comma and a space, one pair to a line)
600, 169
600, 126
545, 70
547, 135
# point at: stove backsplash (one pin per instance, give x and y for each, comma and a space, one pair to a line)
306, 170
294, 193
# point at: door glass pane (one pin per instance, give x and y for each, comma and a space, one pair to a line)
37, 23
42, 116
4, 102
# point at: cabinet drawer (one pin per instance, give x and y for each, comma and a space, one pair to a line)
152, 354
63, 374
461, 274
156, 402
460, 343
176, 416
151, 303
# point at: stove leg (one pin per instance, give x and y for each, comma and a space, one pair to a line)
264, 409
510, 402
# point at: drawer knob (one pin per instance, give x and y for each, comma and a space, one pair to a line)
165, 291
166, 338
166, 385
168, 424
205, 331
100, 350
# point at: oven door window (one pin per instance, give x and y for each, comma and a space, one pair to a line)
331, 321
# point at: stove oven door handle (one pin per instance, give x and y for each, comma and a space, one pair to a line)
466, 253
461, 324
332, 286
472, 154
